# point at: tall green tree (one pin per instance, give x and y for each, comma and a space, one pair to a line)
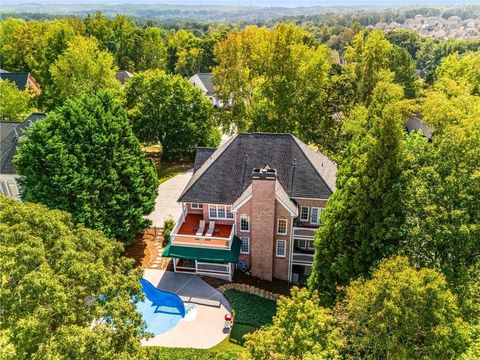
372, 57
82, 69
402, 313
151, 51
443, 220
14, 103
363, 218
85, 159
275, 80
59, 280
410, 40
301, 329
464, 69
169, 110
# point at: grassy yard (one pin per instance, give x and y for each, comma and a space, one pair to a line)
166, 169
161, 353
251, 313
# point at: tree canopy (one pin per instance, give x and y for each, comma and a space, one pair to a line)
59, 280
82, 69
169, 110
14, 103
90, 165
402, 313
363, 218
301, 329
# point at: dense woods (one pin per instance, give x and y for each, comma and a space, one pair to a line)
396, 265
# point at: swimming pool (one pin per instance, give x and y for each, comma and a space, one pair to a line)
161, 310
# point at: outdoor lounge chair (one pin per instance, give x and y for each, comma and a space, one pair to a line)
201, 227
211, 228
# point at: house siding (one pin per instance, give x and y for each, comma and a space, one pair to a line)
320, 203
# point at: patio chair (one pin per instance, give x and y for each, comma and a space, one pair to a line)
201, 227
211, 228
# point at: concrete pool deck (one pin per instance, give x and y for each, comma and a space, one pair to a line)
207, 329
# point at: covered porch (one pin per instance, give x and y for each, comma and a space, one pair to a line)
219, 263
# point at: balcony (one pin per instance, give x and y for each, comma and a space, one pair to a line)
185, 233
303, 251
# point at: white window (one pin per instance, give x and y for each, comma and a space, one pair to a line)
219, 212
244, 223
281, 248
197, 206
304, 212
245, 247
310, 245
302, 244
282, 226
315, 215
212, 211
222, 213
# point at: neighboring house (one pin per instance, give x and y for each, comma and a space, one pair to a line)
415, 123
10, 132
23, 81
256, 199
123, 76
204, 82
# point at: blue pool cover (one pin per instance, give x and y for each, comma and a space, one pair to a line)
161, 310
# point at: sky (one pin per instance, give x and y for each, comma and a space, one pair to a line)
265, 3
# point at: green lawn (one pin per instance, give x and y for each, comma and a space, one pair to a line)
161, 353
251, 313
167, 170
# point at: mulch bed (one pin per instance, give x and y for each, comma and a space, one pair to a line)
143, 250
276, 286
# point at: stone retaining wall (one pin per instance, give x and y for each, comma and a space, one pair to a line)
250, 290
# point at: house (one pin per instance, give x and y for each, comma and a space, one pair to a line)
23, 81
256, 200
204, 82
416, 123
123, 75
10, 132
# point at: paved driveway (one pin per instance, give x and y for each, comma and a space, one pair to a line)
207, 329
166, 205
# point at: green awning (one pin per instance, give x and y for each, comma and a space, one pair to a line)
204, 254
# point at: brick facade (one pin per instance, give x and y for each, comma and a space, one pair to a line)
262, 223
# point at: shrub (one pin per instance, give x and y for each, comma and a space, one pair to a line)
168, 226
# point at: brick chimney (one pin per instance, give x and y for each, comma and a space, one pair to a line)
263, 222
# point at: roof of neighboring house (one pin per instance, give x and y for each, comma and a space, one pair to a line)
207, 82
123, 76
19, 78
415, 123
10, 132
227, 173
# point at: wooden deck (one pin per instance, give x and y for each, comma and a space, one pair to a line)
191, 223
188, 230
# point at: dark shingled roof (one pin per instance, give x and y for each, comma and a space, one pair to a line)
123, 76
19, 78
207, 81
9, 135
227, 172
202, 154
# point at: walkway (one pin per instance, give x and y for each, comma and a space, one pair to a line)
207, 330
166, 206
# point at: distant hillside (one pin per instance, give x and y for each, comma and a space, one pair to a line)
217, 12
